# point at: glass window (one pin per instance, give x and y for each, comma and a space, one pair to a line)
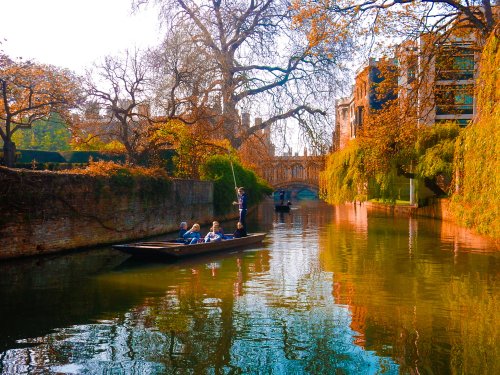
455, 62
454, 99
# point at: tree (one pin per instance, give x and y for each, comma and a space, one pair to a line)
432, 40
477, 152
30, 92
405, 19
258, 62
119, 106
51, 134
182, 75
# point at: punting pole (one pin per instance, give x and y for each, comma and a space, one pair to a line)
232, 169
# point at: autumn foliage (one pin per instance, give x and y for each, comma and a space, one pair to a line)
30, 92
477, 154
109, 168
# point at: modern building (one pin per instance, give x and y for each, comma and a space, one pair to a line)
436, 78
433, 82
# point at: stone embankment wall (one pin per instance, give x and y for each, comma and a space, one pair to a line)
45, 212
437, 209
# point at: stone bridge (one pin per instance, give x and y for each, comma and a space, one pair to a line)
298, 175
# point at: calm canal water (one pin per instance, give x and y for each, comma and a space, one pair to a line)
333, 290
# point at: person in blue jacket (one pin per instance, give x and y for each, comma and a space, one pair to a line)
183, 228
182, 231
193, 235
242, 205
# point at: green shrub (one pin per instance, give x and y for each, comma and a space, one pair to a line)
218, 169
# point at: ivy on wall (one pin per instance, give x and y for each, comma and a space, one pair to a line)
476, 201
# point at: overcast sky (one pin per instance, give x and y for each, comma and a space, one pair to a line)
74, 33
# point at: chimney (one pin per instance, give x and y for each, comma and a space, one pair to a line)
258, 122
143, 109
245, 120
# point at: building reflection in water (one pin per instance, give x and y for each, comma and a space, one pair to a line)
332, 290
407, 281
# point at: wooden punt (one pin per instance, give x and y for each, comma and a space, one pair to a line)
282, 208
169, 249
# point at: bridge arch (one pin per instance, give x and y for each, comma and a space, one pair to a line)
299, 189
293, 172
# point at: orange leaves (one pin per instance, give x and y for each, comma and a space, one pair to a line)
32, 91
109, 169
254, 151
388, 139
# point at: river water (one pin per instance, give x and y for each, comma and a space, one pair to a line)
332, 290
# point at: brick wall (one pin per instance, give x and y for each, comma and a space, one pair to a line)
45, 212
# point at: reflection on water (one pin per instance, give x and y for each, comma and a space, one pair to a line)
332, 290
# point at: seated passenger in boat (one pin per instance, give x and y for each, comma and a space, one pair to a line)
182, 230
240, 231
216, 233
217, 228
213, 237
193, 235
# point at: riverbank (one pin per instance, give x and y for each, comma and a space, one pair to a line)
45, 212
438, 209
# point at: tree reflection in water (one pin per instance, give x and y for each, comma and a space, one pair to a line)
333, 290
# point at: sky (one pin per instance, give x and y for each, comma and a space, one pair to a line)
74, 33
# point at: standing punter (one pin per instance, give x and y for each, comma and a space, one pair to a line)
242, 203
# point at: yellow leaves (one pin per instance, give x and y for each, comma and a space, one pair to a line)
171, 130
477, 160
114, 146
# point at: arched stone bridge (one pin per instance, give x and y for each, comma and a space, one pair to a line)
295, 174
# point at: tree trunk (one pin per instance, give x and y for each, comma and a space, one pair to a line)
9, 153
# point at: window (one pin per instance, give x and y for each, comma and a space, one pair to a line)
359, 116
455, 62
454, 99
411, 75
298, 171
461, 122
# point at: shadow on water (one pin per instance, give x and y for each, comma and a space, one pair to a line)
42, 293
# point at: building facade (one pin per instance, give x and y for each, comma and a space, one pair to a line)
433, 82
436, 78
352, 112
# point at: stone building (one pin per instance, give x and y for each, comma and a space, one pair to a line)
352, 112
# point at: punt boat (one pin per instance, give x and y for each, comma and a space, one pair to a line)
282, 207
171, 249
